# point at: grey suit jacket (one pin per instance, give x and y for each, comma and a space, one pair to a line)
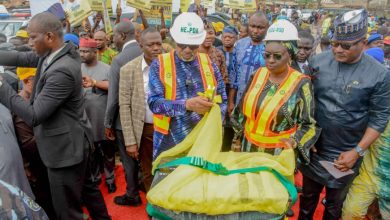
112, 119
56, 109
132, 101
11, 161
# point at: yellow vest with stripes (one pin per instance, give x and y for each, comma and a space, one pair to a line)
258, 124
168, 79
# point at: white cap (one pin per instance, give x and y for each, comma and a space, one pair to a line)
188, 28
281, 30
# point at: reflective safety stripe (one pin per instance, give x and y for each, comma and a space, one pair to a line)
168, 78
258, 125
206, 70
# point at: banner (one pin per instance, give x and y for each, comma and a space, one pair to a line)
122, 3
107, 22
144, 5
250, 6
77, 10
154, 15
234, 4
184, 5
97, 5
210, 5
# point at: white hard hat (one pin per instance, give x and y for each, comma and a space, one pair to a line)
281, 30
188, 28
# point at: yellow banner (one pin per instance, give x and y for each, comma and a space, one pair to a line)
208, 3
107, 22
184, 5
234, 4
97, 5
77, 10
250, 6
144, 5
154, 15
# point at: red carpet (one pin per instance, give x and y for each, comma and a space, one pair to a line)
139, 213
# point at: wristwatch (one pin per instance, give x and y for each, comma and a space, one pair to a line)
360, 151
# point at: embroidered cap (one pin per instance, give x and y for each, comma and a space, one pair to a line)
88, 43
351, 25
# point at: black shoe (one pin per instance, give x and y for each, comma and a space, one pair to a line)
289, 213
127, 200
111, 187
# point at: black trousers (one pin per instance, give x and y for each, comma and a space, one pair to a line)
103, 158
309, 199
228, 135
130, 166
70, 188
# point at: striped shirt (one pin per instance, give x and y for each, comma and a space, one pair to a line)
189, 83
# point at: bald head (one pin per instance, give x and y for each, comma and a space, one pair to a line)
46, 22
100, 38
126, 28
258, 25
123, 32
45, 32
259, 14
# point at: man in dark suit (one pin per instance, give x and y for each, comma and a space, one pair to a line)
305, 49
124, 40
56, 111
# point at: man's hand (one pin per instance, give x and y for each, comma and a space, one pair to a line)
132, 151
87, 81
98, 18
163, 31
118, 11
67, 18
110, 134
346, 160
199, 104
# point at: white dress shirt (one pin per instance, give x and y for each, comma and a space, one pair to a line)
145, 73
301, 65
128, 43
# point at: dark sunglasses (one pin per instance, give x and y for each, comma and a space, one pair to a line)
276, 56
345, 46
184, 46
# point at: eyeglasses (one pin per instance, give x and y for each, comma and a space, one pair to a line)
184, 46
276, 56
345, 46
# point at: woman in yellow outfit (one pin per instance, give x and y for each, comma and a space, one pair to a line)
277, 109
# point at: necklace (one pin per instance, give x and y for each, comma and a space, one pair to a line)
347, 87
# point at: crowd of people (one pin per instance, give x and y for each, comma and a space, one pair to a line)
70, 97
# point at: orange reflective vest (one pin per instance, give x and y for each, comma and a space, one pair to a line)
258, 124
168, 78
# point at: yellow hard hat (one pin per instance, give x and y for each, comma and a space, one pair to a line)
22, 34
218, 26
24, 73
